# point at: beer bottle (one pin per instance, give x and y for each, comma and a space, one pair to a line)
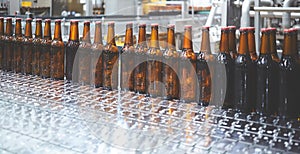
267, 73
97, 57
171, 66
204, 77
2, 37
27, 48
18, 44
251, 43
223, 93
84, 55
232, 42
243, 94
110, 60
8, 47
57, 53
127, 61
37, 48
188, 75
141, 61
71, 50
154, 64
288, 71
45, 59
273, 48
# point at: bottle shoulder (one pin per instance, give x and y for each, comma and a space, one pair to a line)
71, 43
170, 53
188, 54
57, 43
154, 52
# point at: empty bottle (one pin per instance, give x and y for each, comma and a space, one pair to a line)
128, 60
8, 47
2, 37
110, 60
267, 77
171, 66
37, 48
57, 53
97, 57
27, 48
232, 42
188, 75
203, 72
71, 50
45, 60
273, 47
84, 55
141, 62
223, 93
18, 44
154, 64
251, 43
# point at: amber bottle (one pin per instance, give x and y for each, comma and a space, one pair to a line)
188, 75
224, 77
71, 50
57, 53
37, 48
243, 94
45, 59
251, 43
288, 78
232, 42
273, 48
110, 60
27, 48
18, 44
267, 77
203, 72
97, 57
154, 64
84, 56
8, 47
171, 67
2, 37
128, 60
140, 76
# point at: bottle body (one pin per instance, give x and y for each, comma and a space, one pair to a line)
18, 54
110, 67
204, 77
57, 53
71, 50
8, 47
45, 58
37, 48
27, 48
97, 65
1, 41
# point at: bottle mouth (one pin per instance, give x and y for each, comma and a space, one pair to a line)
142, 25
112, 23
129, 25
272, 29
72, 21
263, 30
28, 19
154, 25
224, 28
205, 27
287, 30
171, 26
9, 18
98, 22
18, 19
244, 29
38, 20
58, 21
188, 27
232, 27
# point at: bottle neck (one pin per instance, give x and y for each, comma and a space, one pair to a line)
154, 37
86, 33
187, 39
273, 49
38, 29
28, 29
251, 42
128, 37
142, 35
224, 42
74, 32
9, 30
111, 35
47, 30
287, 44
205, 43
57, 31
171, 38
232, 40
98, 34
264, 46
243, 48
1, 26
18, 28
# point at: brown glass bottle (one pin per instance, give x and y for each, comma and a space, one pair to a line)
18, 43
8, 47
154, 64
288, 77
57, 53
251, 43
110, 60
2, 37
223, 93
171, 66
128, 60
188, 75
204, 77
267, 77
84, 56
27, 48
243, 94
71, 50
273, 47
140, 76
45, 59
232, 42
97, 57
37, 48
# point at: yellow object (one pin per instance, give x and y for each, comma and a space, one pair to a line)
26, 4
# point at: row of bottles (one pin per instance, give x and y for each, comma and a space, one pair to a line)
233, 78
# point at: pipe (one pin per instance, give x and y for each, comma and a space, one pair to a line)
286, 21
245, 19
